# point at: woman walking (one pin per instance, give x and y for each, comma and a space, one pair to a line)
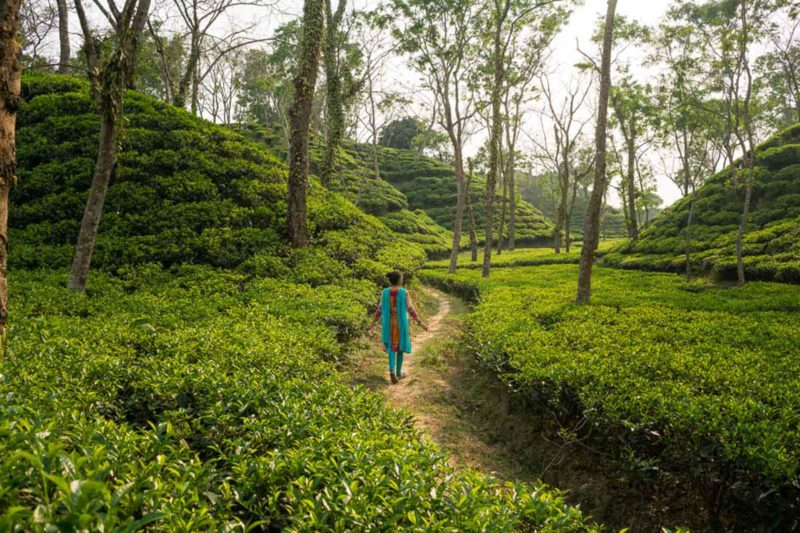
393, 310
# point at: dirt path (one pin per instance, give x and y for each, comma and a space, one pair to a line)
437, 394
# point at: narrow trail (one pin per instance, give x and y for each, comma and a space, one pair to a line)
439, 391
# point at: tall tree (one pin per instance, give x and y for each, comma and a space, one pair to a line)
633, 111
110, 73
200, 17
63, 37
526, 58
441, 38
10, 86
473, 237
507, 20
561, 149
591, 226
334, 80
300, 119
779, 71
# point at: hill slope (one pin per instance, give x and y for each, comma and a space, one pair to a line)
376, 197
419, 191
184, 191
772, 243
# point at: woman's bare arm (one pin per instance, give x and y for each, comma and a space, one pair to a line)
413, 312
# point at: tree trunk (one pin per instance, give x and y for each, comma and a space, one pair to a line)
631, 184
63, 37
10, 86
591, 226
104, 166
333, 93
187, 80
570, 210
689, 239
109, 86
512, 208
503, 209
473, 237
495, 139
460, 207
748, 195
300, 118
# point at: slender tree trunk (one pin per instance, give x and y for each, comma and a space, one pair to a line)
503, 209
111, 83
185, 86
749, 149
63, 37
512, 206
689, 239
333, 93
631, 184
591, 227
300, 119
473, 237
568, 225
166, 80
103, 168
748, 196
374, 126
10, 86
461, 202
496, 135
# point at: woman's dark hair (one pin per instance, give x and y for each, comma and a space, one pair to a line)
394, 277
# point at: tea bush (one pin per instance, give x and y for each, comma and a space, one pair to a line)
194, 399
525, 256
355, 180
771, 251
184, 191
691, 379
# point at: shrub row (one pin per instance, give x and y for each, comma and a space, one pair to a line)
688, 379
194, 399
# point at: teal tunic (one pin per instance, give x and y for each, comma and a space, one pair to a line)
402, 321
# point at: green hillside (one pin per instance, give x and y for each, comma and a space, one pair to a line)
419, 190
772, 243
184, 191
430, 185
196, 385
376, 197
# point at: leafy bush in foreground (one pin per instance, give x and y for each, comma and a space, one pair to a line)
200, 400
695, 380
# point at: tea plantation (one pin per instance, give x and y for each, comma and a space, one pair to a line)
425, 186
772, 243
195, 385
689, 380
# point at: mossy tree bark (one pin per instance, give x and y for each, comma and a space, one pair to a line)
591, 226
334, 103
300, 120
63, 37
10, 85
501, 9
109, 81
